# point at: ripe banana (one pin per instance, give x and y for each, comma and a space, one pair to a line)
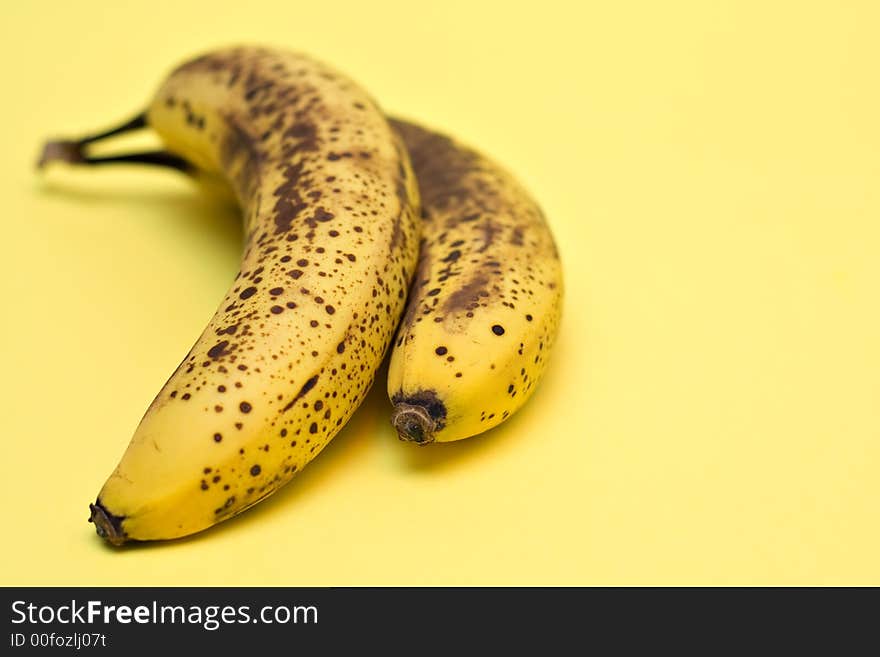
485, 303
330, 211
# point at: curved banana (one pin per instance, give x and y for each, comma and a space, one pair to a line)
330, 211
485, 303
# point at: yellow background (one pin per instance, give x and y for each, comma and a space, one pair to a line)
711, 414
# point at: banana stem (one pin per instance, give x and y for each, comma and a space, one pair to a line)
155, 158
72, 151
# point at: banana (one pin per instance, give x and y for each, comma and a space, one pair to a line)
485, 304
331, 238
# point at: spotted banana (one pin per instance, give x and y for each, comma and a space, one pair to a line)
485, 304
330, 212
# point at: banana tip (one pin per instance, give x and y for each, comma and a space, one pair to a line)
108, 526
413, 424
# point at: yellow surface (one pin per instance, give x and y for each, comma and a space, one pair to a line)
712, 412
